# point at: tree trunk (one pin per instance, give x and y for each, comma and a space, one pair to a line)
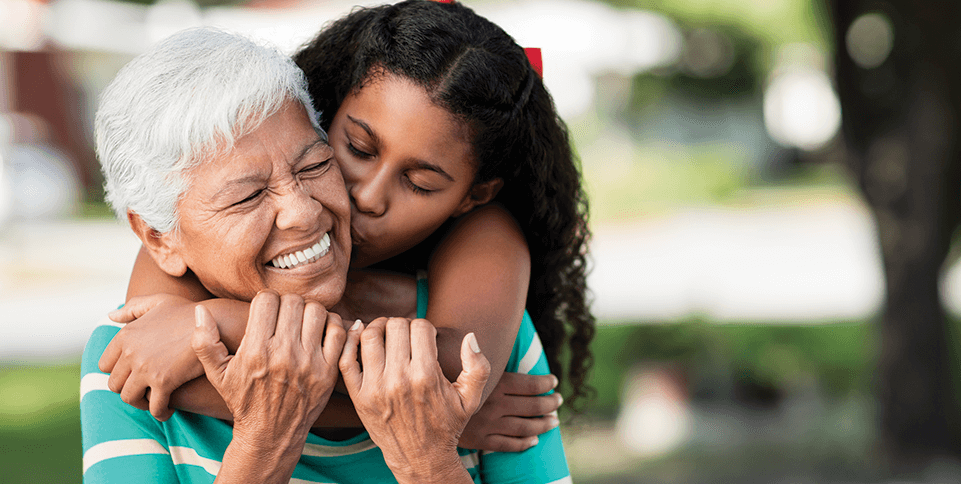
901, 128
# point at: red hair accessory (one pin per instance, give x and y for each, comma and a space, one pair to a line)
534, 55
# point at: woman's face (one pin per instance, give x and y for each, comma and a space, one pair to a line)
407, 164
271, 213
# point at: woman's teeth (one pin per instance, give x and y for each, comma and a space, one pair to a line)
305, 256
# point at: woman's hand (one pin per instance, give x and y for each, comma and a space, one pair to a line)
276, 385
413, 413
515, 413
151, 356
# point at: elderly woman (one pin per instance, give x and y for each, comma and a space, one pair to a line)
210, 149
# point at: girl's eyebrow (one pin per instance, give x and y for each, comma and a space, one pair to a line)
423, 165
418, 163
364, 126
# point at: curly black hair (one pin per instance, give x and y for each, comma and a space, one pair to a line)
476, 71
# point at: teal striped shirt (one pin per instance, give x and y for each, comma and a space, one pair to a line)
124, 444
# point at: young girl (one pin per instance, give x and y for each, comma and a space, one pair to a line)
456, 162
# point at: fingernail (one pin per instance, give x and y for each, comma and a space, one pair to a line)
472, 341
560, 399
198, 316
554, 421
556, 381
534, 441
113, 314
357, 325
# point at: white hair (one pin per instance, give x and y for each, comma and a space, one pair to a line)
186, 99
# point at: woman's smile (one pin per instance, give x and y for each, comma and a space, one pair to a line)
299, 258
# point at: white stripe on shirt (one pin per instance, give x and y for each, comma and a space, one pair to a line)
188, 456
471, 460
531, 357
120, 448
93, 381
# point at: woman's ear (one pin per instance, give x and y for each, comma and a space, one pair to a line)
163, 247
479, 194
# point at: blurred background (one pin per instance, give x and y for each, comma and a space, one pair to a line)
775, 190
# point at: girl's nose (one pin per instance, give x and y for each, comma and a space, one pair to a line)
369, 194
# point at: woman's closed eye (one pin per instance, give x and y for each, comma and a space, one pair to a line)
253, 196
315, 169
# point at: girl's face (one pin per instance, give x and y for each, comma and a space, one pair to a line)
407, 164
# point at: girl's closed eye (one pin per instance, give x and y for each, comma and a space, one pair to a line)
357, 152
416, 188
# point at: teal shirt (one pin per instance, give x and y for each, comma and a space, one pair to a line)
124, 444
545, 462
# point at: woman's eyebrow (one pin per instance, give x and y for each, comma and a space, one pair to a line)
308, 148
236, 184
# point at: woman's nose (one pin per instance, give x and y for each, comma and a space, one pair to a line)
369, 193
297, 209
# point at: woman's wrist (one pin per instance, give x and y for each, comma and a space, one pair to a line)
252, 459
269, 442
444, 468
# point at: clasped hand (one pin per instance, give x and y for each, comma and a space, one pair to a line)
412, 412
284, 370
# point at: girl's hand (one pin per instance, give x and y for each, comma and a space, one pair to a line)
284, 370
413, 413
151, 356
515, 413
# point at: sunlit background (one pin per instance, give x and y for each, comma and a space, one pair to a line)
736, 268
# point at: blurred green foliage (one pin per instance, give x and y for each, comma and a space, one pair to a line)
40, 417
770, 21
835, 358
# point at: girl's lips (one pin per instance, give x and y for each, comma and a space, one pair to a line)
356, 237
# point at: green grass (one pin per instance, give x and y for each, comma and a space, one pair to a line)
40, 423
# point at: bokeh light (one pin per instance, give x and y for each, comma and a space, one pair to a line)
801, 108
870, 39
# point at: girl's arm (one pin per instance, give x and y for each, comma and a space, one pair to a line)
477, 279
485, 249
153, 354
147, 278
